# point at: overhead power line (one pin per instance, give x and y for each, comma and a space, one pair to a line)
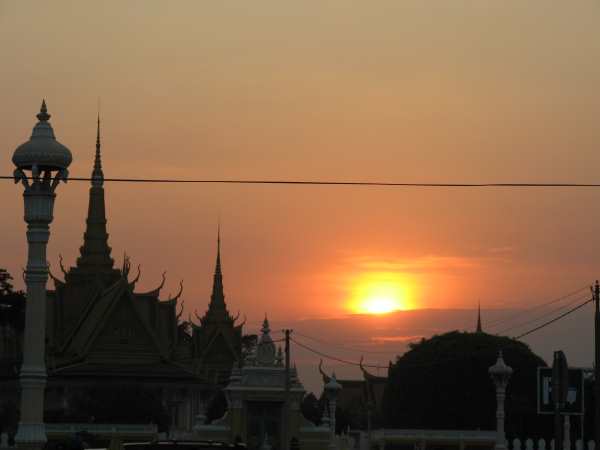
335, 183
555, 319
335, 358
552, 312
343, 347
520, 313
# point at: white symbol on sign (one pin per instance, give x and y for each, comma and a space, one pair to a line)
572, 396
547, 391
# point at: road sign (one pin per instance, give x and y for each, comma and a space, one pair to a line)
574, 398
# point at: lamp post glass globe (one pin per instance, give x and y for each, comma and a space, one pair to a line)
500, 372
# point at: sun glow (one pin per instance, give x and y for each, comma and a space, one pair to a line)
379, 293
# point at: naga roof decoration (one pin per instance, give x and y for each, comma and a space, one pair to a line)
156, 292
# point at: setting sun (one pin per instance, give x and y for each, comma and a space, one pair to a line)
379, 293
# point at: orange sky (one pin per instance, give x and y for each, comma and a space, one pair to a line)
331, 89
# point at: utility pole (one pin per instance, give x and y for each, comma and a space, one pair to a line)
597, 364
286, 420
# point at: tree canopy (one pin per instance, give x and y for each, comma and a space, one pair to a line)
443, 383
12, 303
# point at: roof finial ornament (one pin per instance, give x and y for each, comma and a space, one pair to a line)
43, 115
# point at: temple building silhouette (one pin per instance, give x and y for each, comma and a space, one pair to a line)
102, 331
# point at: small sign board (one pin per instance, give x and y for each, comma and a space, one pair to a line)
574, 404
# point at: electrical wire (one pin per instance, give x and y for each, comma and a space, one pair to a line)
554, 320
544, 315
497, 322
335, 183
342, 347
334, 358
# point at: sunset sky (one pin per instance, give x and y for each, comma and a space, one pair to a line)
391, 90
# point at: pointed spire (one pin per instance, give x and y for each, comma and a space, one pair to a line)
479, 329
43, 115
266, 328
95, 252
218, 264
217, 298
97, 174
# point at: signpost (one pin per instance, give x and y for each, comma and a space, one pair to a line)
574, 404
560, 388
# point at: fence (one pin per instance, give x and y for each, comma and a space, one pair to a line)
541, 444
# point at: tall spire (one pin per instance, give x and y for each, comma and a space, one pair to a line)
479, 329
95, 252
97, 174
218, 264
217, 299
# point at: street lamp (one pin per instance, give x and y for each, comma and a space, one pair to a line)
42, 155
332, 389
500, 374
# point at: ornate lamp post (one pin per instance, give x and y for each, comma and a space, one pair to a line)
42, 155
500, 374
332, 389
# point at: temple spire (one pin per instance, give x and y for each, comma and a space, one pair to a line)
217, 299
97, 174
95, 252
218, 264
479, 328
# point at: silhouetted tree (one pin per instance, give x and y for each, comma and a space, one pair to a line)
311, 409
12, 303
5, 285
443, 383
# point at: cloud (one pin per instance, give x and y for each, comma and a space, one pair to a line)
403, 339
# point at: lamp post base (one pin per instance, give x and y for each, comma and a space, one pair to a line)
31, 436
501, 446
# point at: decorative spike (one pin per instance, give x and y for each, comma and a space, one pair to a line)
43, 115
137, 277
242, 324
180, 312
60, 261
178, 294
156, 292
56, 280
